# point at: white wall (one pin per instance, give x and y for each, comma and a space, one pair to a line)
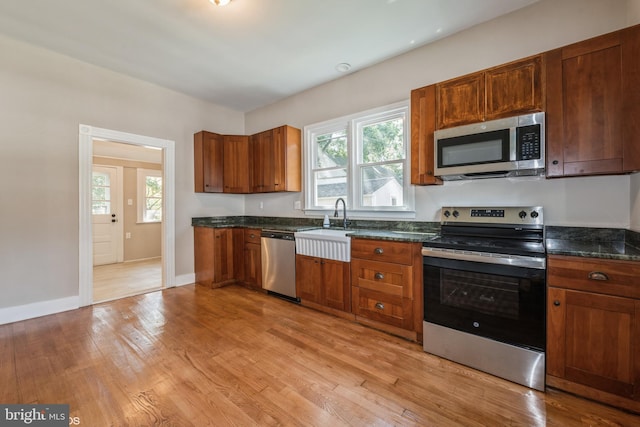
548, 24
45, 96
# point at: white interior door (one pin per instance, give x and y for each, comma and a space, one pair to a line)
106, 213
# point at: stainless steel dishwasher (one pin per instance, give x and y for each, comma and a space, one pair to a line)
279, 263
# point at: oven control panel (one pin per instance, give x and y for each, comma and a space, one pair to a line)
526, 215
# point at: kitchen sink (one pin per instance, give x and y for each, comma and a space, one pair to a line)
324, 243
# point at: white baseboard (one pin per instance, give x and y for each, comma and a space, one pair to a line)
185, 279
37, 309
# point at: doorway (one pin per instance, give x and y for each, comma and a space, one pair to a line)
88, 136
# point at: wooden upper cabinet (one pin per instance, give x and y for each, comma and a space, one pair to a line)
460, 101
208, 162
592, 106
237, 164
263, 148
423, 125
277, 160
503, 91
515, 88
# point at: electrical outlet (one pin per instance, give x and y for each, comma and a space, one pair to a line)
297, 205
127, 235
130, 202
261, 205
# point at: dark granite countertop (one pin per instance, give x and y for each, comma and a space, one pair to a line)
401, 231
397, 236
605, 243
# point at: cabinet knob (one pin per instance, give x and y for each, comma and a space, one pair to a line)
252, 236
597, 275
556, 303
555, 162
378, 251
379, 306
379, 276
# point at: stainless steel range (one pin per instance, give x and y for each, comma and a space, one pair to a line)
484, 291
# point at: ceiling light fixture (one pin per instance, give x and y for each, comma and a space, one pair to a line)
220, 2
343, 67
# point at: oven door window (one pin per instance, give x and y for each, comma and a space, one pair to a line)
499, 302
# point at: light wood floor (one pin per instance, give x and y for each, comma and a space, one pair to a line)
125, 279
195, 356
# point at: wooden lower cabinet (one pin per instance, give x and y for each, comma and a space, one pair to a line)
323, 282
251, 258
593, 332
213, 256
386, 286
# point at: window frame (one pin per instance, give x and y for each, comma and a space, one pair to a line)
141, 193
353, 125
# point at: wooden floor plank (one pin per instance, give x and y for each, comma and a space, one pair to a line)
231, 356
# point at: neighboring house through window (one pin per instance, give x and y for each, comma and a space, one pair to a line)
362, 158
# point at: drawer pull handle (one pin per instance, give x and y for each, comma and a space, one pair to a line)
379, 306
379, 276
252, 236
556, 303
597, 275
378, 251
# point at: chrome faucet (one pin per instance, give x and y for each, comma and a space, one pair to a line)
344, 212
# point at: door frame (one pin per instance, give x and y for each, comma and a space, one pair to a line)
87, 134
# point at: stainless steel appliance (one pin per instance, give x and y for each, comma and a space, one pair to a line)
279, 263
484, 291
499, 148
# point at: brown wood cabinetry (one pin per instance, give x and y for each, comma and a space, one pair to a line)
507, 90
593, 104
237, 164
423, 125
213, 256
323, 282
208, 149
386, 285
266, 162
593, 329
277, 160
252, 258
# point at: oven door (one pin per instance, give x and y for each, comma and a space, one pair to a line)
500, 302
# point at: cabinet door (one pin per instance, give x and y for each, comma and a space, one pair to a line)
263, 162
288, 162
252, 265
593, 340
514, 89
208, 162
308, 278
237, 164
223, 255
203, 255
423, 125
584, 108
460, 101
335, 284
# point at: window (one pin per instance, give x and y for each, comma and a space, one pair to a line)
149, 195
100, 193
363, 159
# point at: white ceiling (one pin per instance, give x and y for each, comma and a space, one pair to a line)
245, 55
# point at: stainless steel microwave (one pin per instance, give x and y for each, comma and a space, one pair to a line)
499, 148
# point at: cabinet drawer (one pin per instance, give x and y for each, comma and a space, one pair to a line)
382, 250
391, 279
611, 277
390, 309
252, 235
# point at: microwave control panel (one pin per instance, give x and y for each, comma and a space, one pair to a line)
528, 142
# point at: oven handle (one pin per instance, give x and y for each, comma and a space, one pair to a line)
539, 263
